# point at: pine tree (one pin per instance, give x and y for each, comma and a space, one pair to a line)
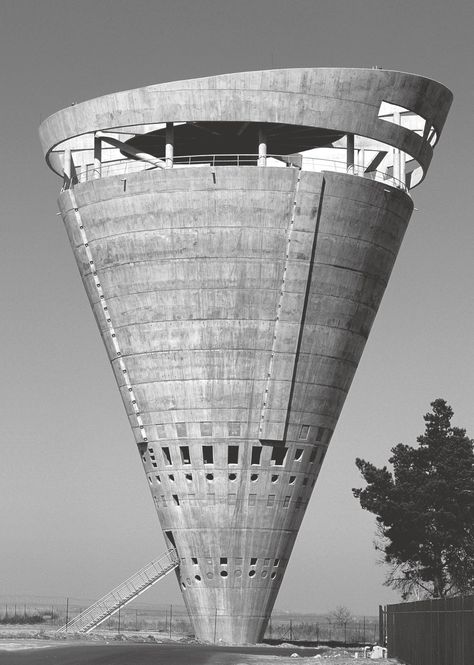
425, 509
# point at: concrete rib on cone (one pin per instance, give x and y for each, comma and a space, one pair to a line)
235, 302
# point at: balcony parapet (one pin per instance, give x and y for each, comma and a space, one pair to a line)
126, 166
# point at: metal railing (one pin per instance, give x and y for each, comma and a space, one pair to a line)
122, 594
127, 166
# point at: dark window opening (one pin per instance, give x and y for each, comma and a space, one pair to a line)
158, 478
176, 499
254, 477
185, 458
181, 430
252, 573
298, 454
304, 431
278, 456
232, 476
256, 453
223, 561
207, 455
271, 500
170, 537
166, 455
209, 476
275, 479
224, 573
171, 477
253, 561
154, 465
194, 560
189, 477
292, 480
312, 457
276, 563
286, 502
233, 455
273, 575
197, 578
206, 429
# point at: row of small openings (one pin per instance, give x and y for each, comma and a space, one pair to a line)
224, 574
269, 500
232, 477
278, 456
205, 427
239, 561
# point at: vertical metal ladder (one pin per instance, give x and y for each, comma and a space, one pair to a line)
122, 594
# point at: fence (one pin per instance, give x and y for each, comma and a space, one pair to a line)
49, 614
432, 632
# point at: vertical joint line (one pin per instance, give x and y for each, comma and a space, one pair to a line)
105, 309
280, 300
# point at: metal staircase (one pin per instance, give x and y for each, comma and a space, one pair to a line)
122, 594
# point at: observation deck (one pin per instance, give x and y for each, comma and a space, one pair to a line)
124, 167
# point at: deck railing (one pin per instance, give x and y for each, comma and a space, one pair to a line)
128, 166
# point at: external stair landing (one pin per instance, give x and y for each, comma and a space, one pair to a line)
123, 594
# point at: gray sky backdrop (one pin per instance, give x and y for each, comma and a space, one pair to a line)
76, 515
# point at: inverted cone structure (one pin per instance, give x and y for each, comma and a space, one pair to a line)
235, 235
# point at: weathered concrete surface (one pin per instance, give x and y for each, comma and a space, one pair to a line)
192, 271
235, 304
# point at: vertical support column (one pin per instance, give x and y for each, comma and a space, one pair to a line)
67, 166
396, 152
361, 162
350, 153
262, 147
97, 157
169, 151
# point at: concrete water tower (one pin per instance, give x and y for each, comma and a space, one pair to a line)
235, 235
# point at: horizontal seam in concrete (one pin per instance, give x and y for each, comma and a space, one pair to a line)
226, 351
227, 260
362, 240
383, 209
173, 229
230, 380
211, 188
233, 289
178, 260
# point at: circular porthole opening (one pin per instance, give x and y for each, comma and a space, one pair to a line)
232, 476
273, 575
197, 577
183, 585
209, 476
224, 573
252, 573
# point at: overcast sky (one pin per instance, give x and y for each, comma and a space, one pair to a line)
76, 515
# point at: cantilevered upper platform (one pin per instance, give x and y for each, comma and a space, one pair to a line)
289, 110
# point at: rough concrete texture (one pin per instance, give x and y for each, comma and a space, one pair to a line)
235, 304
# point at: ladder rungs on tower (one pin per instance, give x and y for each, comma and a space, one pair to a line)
122, 594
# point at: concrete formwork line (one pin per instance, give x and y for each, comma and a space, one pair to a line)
110, 327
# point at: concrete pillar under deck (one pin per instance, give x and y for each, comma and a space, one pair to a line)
262, 147
97, 157
350, 152
169, 150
